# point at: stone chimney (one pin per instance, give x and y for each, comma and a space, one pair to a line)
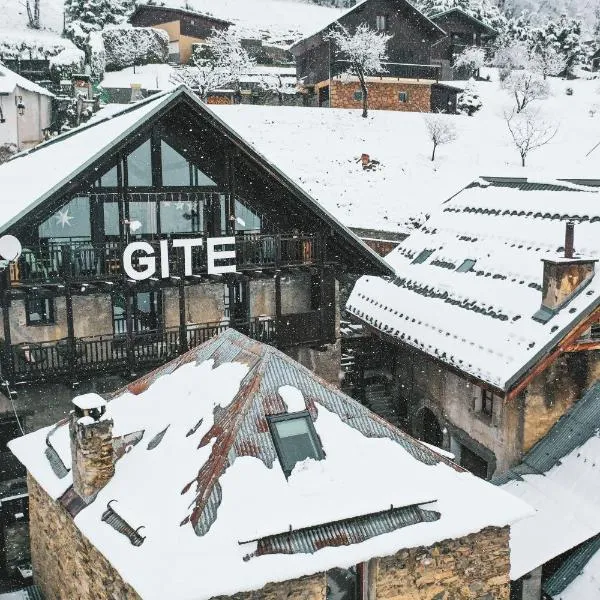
92, 453
564, 276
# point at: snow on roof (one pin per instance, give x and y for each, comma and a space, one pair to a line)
57, 161
280, 22
560, 479
9, 81
478, 317
206, 445
150, 77
89, 401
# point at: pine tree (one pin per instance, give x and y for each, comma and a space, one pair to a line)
85, 16
483, 10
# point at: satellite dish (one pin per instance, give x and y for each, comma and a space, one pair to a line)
10, 247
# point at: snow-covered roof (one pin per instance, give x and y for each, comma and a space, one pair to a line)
479, 318
9, 81
204, 479
279, 22
150, 77
457, 9
560, 479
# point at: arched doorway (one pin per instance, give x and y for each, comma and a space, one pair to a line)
428, 428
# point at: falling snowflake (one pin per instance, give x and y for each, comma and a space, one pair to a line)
63, 218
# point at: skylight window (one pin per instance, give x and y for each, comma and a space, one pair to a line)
295, 439
466, 266
422, 257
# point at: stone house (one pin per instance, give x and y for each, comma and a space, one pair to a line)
411, 79
253, 479
560, 478
488, 333
25, 111
185, 28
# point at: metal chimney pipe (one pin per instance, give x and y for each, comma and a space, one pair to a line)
569, 239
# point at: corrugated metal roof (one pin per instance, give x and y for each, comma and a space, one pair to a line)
343, 533
577, 426
33, 592
241, 429
572, 567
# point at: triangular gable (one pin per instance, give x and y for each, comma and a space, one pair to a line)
467, 16
62, 163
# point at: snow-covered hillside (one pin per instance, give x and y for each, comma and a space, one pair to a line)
320, 148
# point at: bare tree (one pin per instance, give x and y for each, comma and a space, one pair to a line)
33, 13
440, 131
222, 61
364, 50
526, 86
529, 131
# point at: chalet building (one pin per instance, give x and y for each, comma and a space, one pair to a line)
488, 334
232, 473
184, 27
462, 31
560, 478
411, 80
25, 112
147, 232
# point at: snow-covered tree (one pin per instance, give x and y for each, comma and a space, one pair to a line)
549, 61
564, 35
85, 16
33, 13
440, 131
222, 61
529, 131
365, 50
472, 58
511, 55
485, 11
468, 101
525, 86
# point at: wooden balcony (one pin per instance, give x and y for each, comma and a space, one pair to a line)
81, 261
71, 359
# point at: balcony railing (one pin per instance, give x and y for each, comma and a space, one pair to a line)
394, 70
84, 261
28, 362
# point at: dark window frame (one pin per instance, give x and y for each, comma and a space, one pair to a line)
358, 96
487, 403
47, 319
403, 97
305, 415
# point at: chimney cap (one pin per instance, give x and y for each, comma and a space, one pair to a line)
89, 405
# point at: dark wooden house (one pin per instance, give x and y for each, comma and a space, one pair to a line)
410, 75
148, 232
463, 31
185, 27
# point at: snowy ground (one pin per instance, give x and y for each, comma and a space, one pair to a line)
320, 148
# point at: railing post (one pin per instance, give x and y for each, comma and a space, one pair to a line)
183, 341
7, 347
129, 349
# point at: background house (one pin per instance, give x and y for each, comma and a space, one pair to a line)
184, 27
25, 111
488, 334
411, 79
268, 457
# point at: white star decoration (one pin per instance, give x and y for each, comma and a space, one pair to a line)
63, 218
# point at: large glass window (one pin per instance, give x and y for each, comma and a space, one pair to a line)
142, 217
109, 179
139, 166
183, 216
70, 221
177, 170
111, 218
246, 219
295, 439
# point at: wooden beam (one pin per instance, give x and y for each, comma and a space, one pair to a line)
6, 348
560, 348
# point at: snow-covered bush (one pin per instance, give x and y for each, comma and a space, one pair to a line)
7, 151
96, 55
66, 64
471, 58
129, 46
510, 56
468, 101
31, 48
85, 16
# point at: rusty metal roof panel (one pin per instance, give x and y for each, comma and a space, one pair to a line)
343, 533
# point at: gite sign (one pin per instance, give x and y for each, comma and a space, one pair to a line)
146, 264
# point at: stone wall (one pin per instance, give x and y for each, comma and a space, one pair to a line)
324, 363
65, 564
383, 95
475, 567
305, 588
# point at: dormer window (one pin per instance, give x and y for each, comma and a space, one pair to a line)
295, 439
381, 22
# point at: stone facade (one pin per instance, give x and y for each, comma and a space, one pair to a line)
383, 95
475, 567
